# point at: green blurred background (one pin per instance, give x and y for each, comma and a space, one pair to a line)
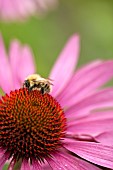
93, 20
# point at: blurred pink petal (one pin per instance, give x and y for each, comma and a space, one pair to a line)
14, 55
16, 66
11, 10
65, 65
26, 62
5, 81
22, 57
94, 152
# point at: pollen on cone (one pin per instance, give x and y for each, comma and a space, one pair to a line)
31, 124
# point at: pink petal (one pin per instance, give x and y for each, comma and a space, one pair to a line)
26, 63
65, 161
47, 167
105, 138
91, 127
6, 9
96, 115
93, 124
43, 5
93, 152
12, 10
79, 75
3, 160
19, 65
21, 9
14, 57
11, 165
86, 81
65, 65
36, 165
5, 81
22, 57
102, 99
25, 165
1, 152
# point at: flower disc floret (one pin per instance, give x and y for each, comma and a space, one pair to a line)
32, 125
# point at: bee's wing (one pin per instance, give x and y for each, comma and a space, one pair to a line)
50, 81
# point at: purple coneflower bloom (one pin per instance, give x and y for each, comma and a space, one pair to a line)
71, 128
19, 10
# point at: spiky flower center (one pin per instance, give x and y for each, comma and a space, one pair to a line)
31, 124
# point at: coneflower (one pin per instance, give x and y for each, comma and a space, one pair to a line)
69, 128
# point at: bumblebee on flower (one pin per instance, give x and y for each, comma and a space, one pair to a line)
36, 82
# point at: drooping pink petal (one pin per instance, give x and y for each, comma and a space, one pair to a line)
65, 161
11, 164
105, 138
86, 81
6, 82
1, 152
103, 99
36, 165
47, 167
3, 160
22, 57
25, 165
65, 65
93, 152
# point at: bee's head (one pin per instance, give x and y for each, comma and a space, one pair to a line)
26, 84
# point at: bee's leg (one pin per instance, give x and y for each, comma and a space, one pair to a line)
30, 89
42, 90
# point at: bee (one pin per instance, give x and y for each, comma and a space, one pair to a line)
36, 82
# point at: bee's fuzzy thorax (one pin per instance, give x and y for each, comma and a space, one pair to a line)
35, 81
